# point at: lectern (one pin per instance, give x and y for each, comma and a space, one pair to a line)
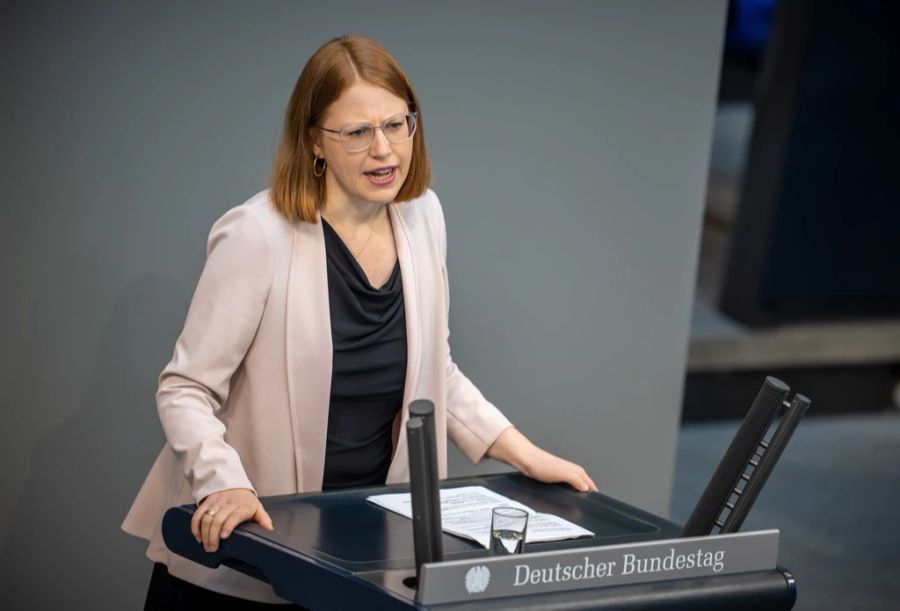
335, 550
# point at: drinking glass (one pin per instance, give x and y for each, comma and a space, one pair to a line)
508, 525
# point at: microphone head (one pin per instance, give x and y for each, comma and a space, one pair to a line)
777, 384
421, 408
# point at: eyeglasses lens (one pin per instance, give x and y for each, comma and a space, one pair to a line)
397, 129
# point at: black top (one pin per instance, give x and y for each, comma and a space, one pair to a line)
368, 335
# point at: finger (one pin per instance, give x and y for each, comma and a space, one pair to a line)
195, 523
579, 480
245, 512
215, 528
571, 479
206, 523
263, 518
589, 485
234, 518
197, 519
588, 482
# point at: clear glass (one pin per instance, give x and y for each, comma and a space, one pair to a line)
360, 136
508, 528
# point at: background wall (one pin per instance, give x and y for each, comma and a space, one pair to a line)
570, 147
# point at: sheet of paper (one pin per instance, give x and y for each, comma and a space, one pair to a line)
466, 512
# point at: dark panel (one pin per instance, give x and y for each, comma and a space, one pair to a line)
819, 220
727, 395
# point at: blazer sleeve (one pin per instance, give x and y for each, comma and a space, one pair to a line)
473, 422
224, 315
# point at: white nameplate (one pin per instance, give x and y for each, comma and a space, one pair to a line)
593, 567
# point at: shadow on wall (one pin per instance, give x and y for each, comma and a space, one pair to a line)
65, 548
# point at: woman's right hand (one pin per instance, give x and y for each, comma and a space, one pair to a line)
219, 513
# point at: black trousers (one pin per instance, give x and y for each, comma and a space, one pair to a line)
168, 593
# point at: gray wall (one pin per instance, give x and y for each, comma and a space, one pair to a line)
570, 147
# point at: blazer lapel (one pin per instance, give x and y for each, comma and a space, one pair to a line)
399, 470
308, 353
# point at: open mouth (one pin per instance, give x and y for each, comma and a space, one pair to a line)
382, 175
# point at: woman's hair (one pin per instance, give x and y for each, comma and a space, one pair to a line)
295, 190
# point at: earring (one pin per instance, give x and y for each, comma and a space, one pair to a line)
316, 161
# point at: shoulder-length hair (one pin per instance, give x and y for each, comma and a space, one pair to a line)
296, 192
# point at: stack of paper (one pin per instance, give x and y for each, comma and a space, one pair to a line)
466, 512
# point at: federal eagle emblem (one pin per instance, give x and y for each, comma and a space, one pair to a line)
477, 579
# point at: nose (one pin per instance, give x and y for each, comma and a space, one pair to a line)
381, 146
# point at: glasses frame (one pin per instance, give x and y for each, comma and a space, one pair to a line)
340, 132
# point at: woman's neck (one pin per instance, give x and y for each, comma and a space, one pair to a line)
348, 213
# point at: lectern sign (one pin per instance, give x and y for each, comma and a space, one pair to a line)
593, 567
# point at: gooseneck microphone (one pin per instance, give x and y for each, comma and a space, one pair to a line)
730, 471
423, 484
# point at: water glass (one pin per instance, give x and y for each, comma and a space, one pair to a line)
508, 525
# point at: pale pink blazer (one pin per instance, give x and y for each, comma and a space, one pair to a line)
244, 400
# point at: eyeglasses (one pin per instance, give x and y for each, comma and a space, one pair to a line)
360, 136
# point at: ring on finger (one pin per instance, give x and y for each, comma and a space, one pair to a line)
210, 512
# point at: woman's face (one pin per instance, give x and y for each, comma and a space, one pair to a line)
349, 175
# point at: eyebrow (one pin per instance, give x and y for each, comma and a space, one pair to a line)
362, 122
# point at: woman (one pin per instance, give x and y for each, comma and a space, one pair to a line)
306, 341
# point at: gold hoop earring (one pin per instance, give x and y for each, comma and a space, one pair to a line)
316, 173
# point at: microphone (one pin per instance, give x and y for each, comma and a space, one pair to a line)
424, 409
423, 484
763, 467
745, 443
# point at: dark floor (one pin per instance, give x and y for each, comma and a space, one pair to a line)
835, 496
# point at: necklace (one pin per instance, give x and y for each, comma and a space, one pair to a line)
347, 243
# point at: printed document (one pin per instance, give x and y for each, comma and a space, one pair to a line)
466, 512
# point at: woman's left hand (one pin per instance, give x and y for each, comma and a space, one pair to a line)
514, 448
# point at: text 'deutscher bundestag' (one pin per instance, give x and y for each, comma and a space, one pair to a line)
592, 567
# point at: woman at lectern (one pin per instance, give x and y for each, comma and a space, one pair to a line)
320, 314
